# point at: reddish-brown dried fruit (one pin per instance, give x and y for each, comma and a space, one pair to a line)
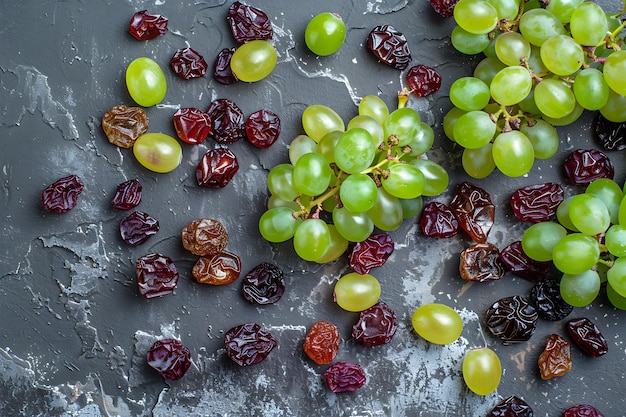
389, 46
423, 80
264, 284
216, 168
144, 26
556, 359
219, 269
437, 220
445, 8
515, 260
582, 410
192, 125
122, 125
587, 337
137, 227
474, 210
262, 128
187, 63
205, 237
512, 319
584, 166
248, 23
321, 343
344, 376
62, 195
376, 325
221, 67
536, 203
248, 344
546, 296
156, 275
481, 262
512, 406
371, 253
170, 358
228, 121
127, 195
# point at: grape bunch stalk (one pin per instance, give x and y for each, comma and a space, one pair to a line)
544, 64
344, 180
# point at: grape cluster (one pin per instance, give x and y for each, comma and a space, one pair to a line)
343, 180
542, 67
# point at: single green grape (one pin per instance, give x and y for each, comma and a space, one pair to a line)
311, 174
278, 224
614, 70
562, 55
568, 119
326, 145
482, 370
280, 182
469, 93
615, 107
158, 152
513, 153
358, 193
435, 176
450, 119
386, 212
318, 120
580, 290
616, 276
357, 292
355, 227
403, 123
589, 214
487, 68
615, 298
590, 89
539, 24
145, 82
254, 60
562, 214
300, 145
610, 193
355, 150
563, 9
474, 129
575, 253
375, 107
468, 43
543, 136
370, 124
539, 240
311, 240
476, 16
588, 24
511, 48
411, 207
273, 202
478, 163
325, 33
554, 98
615, 240
511, 85
338, 246
422, 141
403, 181
437, 323
507, 9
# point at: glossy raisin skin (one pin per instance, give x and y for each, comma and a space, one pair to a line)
137, 227
170, 358
321, 343
62, 195
205, 237
264, 284
127, 195
248, 344
389, 46
481, 262
610, 135
371, 253
423, 80
216, 168
445, 8
556, 358
582, 410
156, 275
187, 63
437, 220
345, 376
587, 337
144, 26
536, 203
546, 296
122, 125
262, 128
376, 325
192, 125
584, 166
474, 210
512, 319
221, 67
512, 406
219, 269
515, 260
228, 121
248, 23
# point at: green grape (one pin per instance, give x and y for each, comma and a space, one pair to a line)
562, 214
534, 61
621, 213
614, 70
274, 202
474, 129
539, 240
338, 246
422, 141
355, 150
311, 240
562, 55
507, 9
371, 125
615, 240
403, 181
511, 85
404, 123
375, 107
543, 136
278, 224
490, 51
478, 163
435, 176
511, 48
590, 89
158, 152
318, 120
482, 370
145, 82
357, 292
355, 227
450, 119
610, 193
326, 145
513, 153
300, 145
579, 290
615, 108
554, 98
589, 214
563, 9
539, 24
325, 33
616, 276
329, 205
476, 16
358, 193
588, 24
386, 212
468, 43
469, 93
567, 119
487, 68
529, 106
437, 323
254, 60
575, 253
311, 174
615, 299
280, 182
411, 207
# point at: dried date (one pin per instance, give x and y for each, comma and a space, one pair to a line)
219, 269
62, 195
248, 23
371, 253
122, 125
376, 325
389, 46
474, 210
582, 410
437, 220
205, 237
170, 358
610, 135
584, 166
248, 344
515, 260
481, 262
137, 227
187, 63
512, 319
192, 125
556, 359
157, 275
144, 26
228, 121
512, 406
536, 203
546, 296
345, 376
423, 80
264, 284
321, 343
587, 337
127, 195
262, 128
216, 168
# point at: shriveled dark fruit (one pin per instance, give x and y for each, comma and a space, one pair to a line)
127, 195
264, 284
610, 135
144, 26
389, 46
219, 269
262, 128
423, 80
221, 67
546, 296
376, 325
512, 319
515, 260
437, 220
248, 23
187, 63
205, 237
536, 203
321, 343
170, 358
122, 125
474, 210
512, 406
583, 166
157, 275
371, 253
137, 227
248, 344
62, 195
192, 125
481, 262
345, 376
445, 8
587, 337
228, 121
556, 358
582, 410
216, 168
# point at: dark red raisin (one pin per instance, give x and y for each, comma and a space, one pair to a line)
137, 227
512, 319
546, 296
371, 253
127, 195
62, 195
582, 410
170, 358
556, 358
610, 135
205, 237
583, 166
144, 26
192, 125
437, 220
321, 343
515, 260
248, 23
264, 284
262, 128
248, 344
219, 269
228, 121
587, 337
389, 46
445, 8
481, 262
376, 325
187, 63
156, 275
221, 68
122, 125
512, 406
536, 203
216, 168
474, 210
423, 80
345, 376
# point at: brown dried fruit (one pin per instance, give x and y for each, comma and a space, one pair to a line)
122, 125
205, 237
481, 262
220, 269
556, 359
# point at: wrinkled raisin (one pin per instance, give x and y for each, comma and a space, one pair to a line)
515, 260
423, 80
389, 46
376, 325
170, 358
62, 195
587, 337
262, 128
512, 319
264, 284
582, 410
137, 227
512, 406
228, 121
321, 343
219, 269
145, 26
248, 344
156, 275
371, 253
248, 23
122, 125
546, 296
474, 210
344, 376
437, 220
216, 168
221, 67
205, 237
610, 135
556, 359
445, 8
481, 262
127, 195
192, 125
536, 203
187, 63
583, 166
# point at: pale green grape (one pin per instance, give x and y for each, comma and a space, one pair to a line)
404, 123
575, 253
355, 150
614, 70
511, 47
278, 224
511, 85
513, 153
563, 9
145, 82
534, 61
579, 290
621, 214
435, 176
554, 98
437, 323
529, 106
476, 16
358, 193
616, 276
326, 145
567, 119
539, 240
468, 43
539, 24
487, 68
325, 33
371, 125
254, 60
610, 193
590, 89
423, 140
450, 119
387, 211
280, 182
469, 93
375, 107
311, 239
158, 152
355, 227
482, 370
357, 292
411, 207
616, 300
562, 55
403, 181
589, 214
615, 107
311, 174
478, 163
338, 246
474, 129
562, 214
274, 202
318, 120
588, 24
543, 136
300, 145
507, 9
615, 240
